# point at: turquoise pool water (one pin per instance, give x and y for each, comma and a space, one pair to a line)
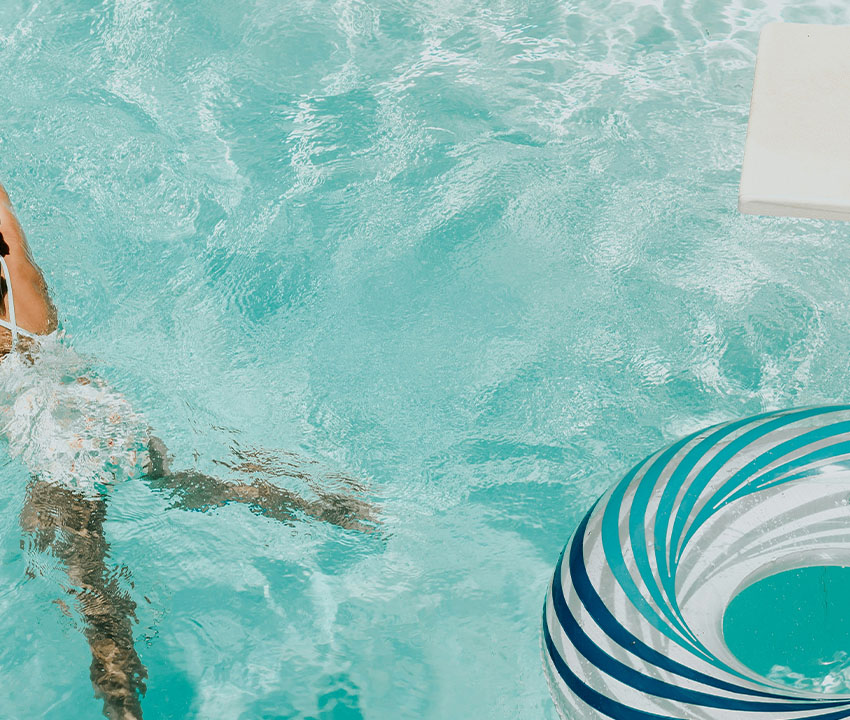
480, 256
794, 627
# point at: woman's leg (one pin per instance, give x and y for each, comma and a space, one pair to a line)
191, 490
71, 526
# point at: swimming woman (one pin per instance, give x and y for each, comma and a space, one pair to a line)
77, 437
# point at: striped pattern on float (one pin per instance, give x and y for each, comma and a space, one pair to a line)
632, 626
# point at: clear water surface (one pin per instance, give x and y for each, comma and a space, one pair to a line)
481, 256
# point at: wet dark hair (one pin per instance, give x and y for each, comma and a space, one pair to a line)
4, 248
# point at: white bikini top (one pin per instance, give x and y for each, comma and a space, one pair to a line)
10, 324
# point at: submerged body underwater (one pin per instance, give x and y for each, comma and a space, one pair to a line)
78, 438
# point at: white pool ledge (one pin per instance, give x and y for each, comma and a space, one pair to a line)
797, 154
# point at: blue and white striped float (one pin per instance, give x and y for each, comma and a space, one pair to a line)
632, 627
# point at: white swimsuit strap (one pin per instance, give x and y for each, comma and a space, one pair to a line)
11, 325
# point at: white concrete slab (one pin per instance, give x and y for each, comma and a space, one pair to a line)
797, 156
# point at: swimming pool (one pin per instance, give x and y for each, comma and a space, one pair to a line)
480, 256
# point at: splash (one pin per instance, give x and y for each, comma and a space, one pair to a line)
836, 681
64, 422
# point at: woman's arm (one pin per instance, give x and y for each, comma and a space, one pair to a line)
33, 308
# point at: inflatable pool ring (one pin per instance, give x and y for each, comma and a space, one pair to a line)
632, 626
